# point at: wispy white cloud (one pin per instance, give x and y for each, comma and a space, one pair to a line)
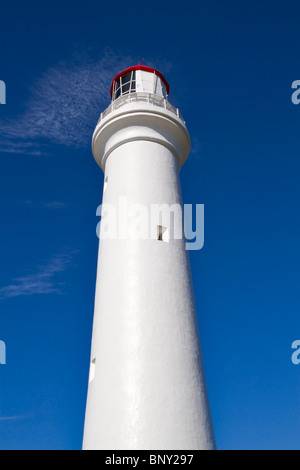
12, 418
41, 280
196, 147
44, 204
64, 105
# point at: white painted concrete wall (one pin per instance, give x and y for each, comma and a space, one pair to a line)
150, 83
147, 388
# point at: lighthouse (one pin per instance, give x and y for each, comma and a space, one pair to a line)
147, 386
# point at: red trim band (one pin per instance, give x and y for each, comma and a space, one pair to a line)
139, 67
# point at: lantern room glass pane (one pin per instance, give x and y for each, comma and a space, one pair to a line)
126, 84
125, 87
118, 90
126, 78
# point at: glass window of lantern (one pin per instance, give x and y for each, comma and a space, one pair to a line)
125, 80
133, 83
117, 90
126, 84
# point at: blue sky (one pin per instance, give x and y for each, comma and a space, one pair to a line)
230, 66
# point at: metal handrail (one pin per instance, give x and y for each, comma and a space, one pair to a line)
138, 97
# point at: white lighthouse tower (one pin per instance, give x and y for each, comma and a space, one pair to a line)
147, 387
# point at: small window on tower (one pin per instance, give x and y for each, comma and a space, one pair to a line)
105, 184
92, 370
163, 234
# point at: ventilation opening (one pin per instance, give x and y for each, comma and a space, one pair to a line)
92, 370
105, 183
163, 234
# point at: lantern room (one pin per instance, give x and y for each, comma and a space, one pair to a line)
139, 79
